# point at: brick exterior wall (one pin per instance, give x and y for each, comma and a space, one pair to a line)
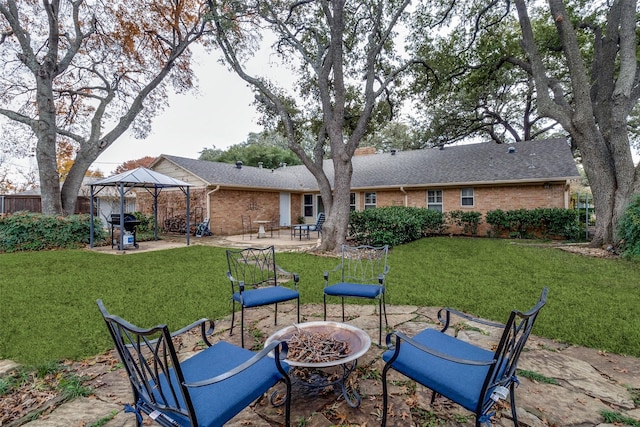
228, 205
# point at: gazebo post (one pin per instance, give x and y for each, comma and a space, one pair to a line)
121, 239
91, 218
155, 212
188, 216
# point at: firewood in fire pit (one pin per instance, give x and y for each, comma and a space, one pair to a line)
315, 347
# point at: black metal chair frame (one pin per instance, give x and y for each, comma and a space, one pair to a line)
365, 265
502, 368
300, 230
247, 227
274, 225
149, 358
255, 270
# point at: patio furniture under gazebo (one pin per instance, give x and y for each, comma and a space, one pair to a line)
151, 181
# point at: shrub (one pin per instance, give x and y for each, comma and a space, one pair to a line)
394, 225
28, 231
540, 222
629, 229
468, 220
146, 222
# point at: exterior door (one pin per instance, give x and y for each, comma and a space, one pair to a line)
285, 209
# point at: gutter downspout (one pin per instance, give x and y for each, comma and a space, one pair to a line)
406, 196
209, 200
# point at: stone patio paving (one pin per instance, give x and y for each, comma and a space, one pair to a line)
588, 381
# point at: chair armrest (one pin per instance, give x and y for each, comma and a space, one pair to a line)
279, 348
444, 316
204, 331
235, 282
295, 276
400, 337
326, 273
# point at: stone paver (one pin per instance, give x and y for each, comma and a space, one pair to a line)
586, 382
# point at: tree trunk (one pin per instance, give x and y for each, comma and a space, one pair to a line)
595, 108
334, 232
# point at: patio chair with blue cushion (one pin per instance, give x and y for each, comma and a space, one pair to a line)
360, 274
207, 389
473, 377
257, 280
305, 230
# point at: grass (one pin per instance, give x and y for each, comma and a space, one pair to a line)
48, 311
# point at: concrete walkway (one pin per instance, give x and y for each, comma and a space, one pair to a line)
588, 382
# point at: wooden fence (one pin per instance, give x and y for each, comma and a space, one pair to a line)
11, 203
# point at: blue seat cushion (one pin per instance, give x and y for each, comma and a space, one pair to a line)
216, 404
460, 383
305, 227
354, 290
264, 296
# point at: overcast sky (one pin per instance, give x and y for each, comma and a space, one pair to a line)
220, 114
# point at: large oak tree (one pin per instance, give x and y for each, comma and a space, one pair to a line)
581, 57
594, 104
86, 71
344, 55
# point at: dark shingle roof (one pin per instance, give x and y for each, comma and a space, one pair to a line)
473, 164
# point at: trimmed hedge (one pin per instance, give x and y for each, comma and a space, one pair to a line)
530, 223
629, 229
28, 231
468, 220
394, 225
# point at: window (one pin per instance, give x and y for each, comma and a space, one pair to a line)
307, 205
434, 200
369, 200
467, 197
352, 201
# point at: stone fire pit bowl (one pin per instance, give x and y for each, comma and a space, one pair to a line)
359, 341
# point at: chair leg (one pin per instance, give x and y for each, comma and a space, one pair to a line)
242, 327
385, 399
512, 397
342, 309
233, 317
325, 307
275, 316
287, 407
380, 325
384, 308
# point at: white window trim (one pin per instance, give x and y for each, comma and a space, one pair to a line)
472, 197
441, 203
370, 205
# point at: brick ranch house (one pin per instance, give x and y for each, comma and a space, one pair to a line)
475, 177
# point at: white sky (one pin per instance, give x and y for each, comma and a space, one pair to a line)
220, 114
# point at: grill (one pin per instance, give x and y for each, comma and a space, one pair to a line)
130, 224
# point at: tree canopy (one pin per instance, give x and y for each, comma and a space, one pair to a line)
520, 70
344, 56
266, 149
86, 71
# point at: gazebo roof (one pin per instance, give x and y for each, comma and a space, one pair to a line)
141, 177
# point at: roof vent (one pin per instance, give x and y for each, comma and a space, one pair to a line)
239, 164
260, 165
512, 150
393, 151
283, 165
441, 147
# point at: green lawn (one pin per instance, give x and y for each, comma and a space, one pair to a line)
48, 310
